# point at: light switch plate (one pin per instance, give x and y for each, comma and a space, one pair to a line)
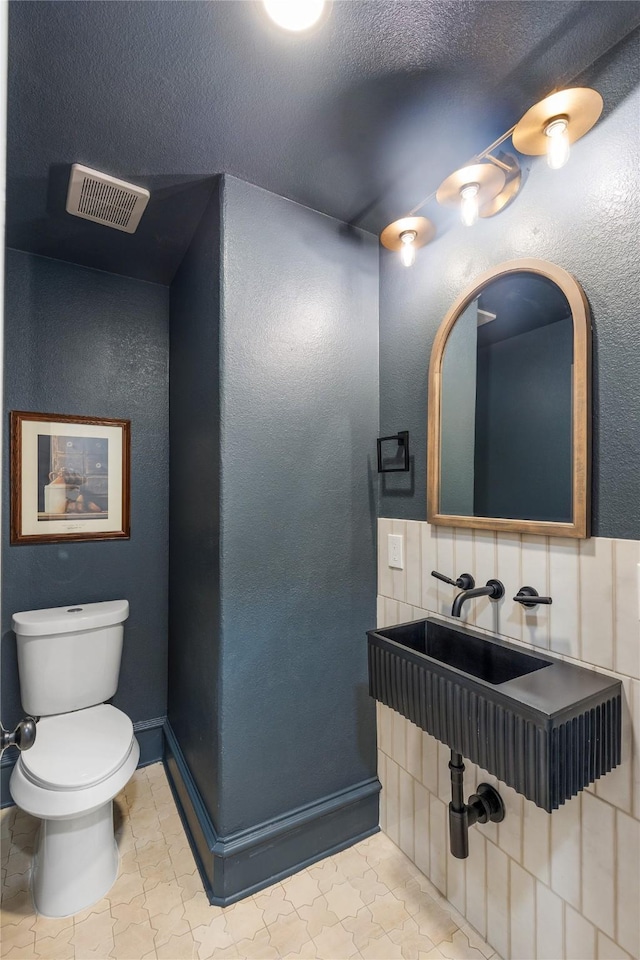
395, 551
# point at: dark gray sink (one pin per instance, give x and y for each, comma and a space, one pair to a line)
544, 726
492, 662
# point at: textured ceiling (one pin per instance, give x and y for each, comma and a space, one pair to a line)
359, 119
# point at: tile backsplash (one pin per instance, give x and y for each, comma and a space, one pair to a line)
557, 886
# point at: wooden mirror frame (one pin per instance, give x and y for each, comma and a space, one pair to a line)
579, 526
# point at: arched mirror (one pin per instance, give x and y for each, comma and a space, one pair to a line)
509, 405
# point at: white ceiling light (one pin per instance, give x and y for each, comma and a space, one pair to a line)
294, 15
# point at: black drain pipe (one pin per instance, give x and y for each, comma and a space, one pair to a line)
484, 805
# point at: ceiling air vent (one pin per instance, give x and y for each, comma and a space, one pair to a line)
97, 196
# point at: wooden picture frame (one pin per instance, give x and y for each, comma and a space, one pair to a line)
579, 527
70, 478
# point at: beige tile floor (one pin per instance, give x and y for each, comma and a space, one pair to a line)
368, 901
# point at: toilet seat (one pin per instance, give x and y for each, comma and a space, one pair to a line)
74, 751
40, 788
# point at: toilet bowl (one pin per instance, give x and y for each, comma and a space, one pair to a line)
81, 758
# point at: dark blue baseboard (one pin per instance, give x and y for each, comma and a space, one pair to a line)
149, 735
236, 866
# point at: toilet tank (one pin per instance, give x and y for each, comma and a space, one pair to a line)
69, 657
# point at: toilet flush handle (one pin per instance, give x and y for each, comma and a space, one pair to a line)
23, 737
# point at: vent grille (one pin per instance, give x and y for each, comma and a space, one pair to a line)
103, 199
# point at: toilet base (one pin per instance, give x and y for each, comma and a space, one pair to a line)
76, 862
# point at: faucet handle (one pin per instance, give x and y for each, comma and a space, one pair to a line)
528, 597
464, 582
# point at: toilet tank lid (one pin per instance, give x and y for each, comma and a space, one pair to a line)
71, 619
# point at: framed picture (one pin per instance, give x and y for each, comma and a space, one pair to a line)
70, 478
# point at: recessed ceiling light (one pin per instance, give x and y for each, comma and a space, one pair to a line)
294, 15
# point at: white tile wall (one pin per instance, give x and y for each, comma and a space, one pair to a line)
564, 886
580, 936
497, 897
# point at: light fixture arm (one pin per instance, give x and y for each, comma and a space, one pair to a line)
508, 168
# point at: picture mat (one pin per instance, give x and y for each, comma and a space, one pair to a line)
31, 525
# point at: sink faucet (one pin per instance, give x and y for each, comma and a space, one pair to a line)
494, 590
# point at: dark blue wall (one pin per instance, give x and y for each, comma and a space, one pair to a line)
268, 697
80, 341
585, 218
299, 417
194, 610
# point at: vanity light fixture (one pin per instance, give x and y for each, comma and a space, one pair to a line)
406, 236
471, 188
553, 124
294, 15
490, 180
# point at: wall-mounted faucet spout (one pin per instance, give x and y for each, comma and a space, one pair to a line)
494, 590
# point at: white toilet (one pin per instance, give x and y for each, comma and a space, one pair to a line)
84, 753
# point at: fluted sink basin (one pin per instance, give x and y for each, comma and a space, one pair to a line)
544, 726
495, 663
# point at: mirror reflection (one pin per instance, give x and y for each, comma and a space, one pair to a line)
506, 404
